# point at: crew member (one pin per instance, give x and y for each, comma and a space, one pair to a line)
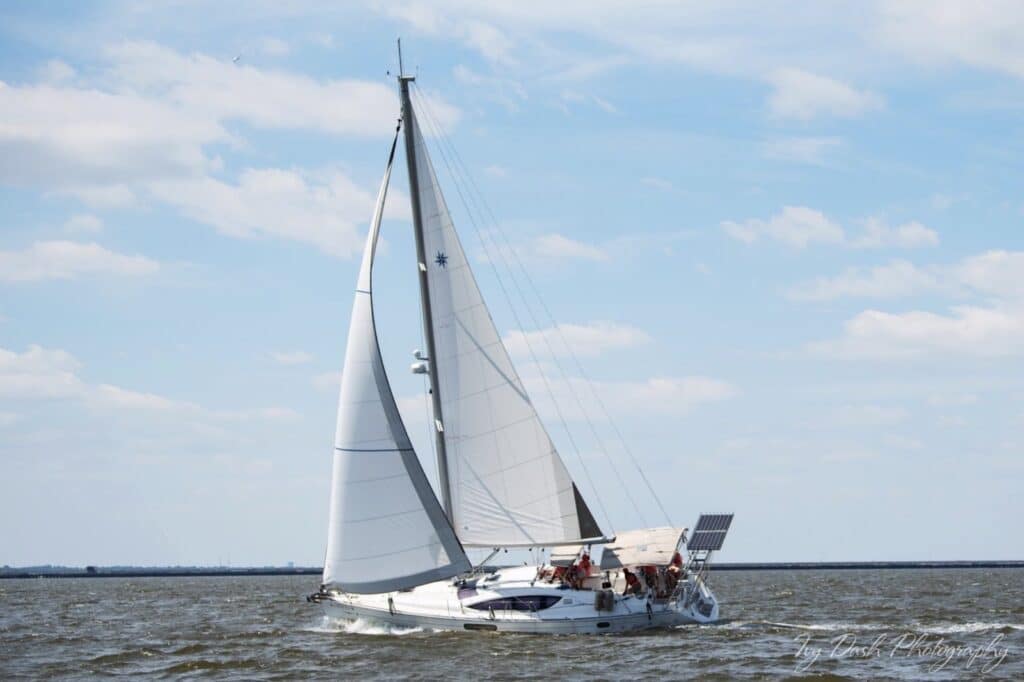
632, 582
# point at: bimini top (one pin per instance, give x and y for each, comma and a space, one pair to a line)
644, 547
565, 555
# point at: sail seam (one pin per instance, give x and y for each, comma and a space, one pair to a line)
400, 551
384, 516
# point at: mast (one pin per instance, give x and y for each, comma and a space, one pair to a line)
421, 257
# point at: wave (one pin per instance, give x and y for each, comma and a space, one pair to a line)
954, 629
838, 626
361, 626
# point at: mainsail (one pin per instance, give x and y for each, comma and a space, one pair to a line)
387, 531
508, 485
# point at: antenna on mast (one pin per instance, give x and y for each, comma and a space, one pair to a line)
401, 69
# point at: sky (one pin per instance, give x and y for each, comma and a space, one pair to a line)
784, 244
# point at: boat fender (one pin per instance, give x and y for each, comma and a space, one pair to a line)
391, 606
650, 611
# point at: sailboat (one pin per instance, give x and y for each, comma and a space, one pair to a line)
397, 551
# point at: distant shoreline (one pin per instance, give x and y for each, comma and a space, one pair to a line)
198, 572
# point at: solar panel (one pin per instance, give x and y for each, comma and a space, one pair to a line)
707, 540
713, 522
710, 532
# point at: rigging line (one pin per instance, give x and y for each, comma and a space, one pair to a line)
464, 174
593, 390
547, 343
561, 334
435, 128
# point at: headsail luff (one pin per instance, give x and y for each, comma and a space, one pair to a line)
508, 484
387, 531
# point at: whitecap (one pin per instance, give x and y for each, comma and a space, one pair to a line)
361, 626
835, 626
961, 628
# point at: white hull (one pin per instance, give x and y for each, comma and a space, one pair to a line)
438, 606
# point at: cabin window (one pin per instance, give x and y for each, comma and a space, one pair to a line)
532, 602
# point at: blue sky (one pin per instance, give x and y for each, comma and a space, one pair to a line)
786, 246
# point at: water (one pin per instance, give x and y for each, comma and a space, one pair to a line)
261, 628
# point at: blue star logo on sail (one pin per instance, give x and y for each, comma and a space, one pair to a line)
441, 259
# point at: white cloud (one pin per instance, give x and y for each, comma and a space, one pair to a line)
38, 373
83, 222
505, 91
668, 395
219, 90
898, 278
69, 260
585, 340
802, 95
809, 150
998, 274
994, 273
966, 330
496, 171
323, 211
480, 34
908, 235
121, 398
559, 247
658, 395
996, 277
45, 374
327, 381
64, 137
800, 226
545, 249
984, 35
140, 127
568, 97
488, 40
110, 398
297, 357
795, 226
8, 419
742, 39
101, 196
56, 71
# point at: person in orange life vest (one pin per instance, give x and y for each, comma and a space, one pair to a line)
585, 565
676, 567
574, 577
675, 570
650, 574
632, 582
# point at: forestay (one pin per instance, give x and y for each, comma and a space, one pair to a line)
509, 487
387, 530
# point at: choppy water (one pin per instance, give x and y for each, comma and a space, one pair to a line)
261, 628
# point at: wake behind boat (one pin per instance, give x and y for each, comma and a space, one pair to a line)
396, 551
